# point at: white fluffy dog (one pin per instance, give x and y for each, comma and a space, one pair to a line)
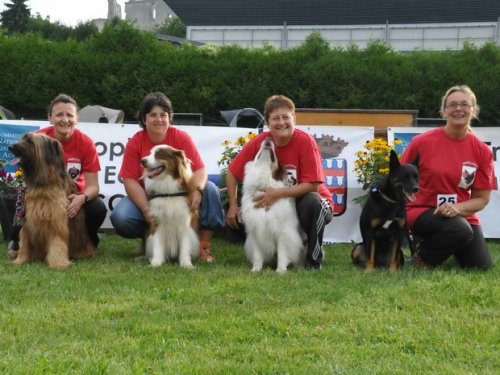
172, 235
274, 233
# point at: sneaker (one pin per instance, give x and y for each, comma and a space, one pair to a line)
206, 252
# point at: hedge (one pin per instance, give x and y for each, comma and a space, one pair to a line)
118, 66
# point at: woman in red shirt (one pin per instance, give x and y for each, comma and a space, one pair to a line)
456, 177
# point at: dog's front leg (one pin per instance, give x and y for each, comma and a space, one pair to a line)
283, 260
370, 264
185, 252
393, 266
371, 243
158, 255
57, 253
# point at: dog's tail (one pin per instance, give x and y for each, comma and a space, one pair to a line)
358, 255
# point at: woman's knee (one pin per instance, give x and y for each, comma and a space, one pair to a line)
460, 231
211, 213
126, 218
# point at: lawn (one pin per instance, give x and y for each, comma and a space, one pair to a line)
116, 315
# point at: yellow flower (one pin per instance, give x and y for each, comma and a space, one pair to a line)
372, 162
230, 151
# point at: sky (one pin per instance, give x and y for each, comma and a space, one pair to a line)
68, 12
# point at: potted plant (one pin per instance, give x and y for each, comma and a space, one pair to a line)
231, 149
372, 163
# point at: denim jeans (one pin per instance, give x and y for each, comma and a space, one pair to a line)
128, 220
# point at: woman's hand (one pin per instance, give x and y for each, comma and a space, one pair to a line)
233, 216
195, 200
268, 197
76, 201
447, 210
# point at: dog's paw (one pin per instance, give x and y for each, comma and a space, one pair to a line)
156, 262
281, 271
187, 266
369, 267
256, 268
60, 265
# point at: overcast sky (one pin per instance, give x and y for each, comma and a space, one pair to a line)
69, 12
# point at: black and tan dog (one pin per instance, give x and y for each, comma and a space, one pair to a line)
383, 218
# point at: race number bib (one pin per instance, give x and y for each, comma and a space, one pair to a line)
446, 198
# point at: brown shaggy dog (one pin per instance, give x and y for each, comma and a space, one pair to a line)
47, 234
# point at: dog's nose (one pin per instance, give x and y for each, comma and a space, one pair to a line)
143, 162
416, 189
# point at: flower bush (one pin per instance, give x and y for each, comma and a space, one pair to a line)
9, 182
231, 149
372, 163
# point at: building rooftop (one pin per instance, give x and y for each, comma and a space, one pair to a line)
334, 12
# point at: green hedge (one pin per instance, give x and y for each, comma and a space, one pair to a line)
117, 67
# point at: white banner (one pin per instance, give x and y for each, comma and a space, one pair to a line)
110, 141
338, 145
491, 136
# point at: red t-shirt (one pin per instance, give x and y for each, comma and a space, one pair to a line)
448, 169
300, 157
140, 146
80, 155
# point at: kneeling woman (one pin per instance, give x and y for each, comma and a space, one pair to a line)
298, 152
456, 177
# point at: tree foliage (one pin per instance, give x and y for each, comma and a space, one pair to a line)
15, 18
119, 65
58, 32
173, 27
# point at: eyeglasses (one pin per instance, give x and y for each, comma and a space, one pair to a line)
461, 105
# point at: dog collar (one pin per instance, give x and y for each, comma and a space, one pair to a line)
385, 197
179, 194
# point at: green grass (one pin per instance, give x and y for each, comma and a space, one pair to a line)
115, 315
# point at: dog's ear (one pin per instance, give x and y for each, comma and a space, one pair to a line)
415, 161
393, 160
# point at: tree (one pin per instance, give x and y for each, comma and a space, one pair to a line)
59, 32
16, 17
174, 27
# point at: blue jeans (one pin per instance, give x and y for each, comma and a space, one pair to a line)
128, 220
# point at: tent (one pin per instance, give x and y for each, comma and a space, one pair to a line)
5, 114
244, 118
97, 113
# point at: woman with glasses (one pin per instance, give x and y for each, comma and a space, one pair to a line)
456, 177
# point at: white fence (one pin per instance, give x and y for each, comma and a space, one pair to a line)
402, 37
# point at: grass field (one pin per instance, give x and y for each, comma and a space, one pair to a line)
115, 315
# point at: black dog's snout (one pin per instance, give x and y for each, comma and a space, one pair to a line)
416, 189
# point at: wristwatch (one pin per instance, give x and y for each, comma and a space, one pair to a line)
87, 199
200, 190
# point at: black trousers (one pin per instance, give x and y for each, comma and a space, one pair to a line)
314, 214
95, 214
444, 237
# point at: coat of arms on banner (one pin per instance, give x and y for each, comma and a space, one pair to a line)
335, 170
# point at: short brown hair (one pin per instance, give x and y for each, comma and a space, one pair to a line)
152, 100
277, 101
62, 98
